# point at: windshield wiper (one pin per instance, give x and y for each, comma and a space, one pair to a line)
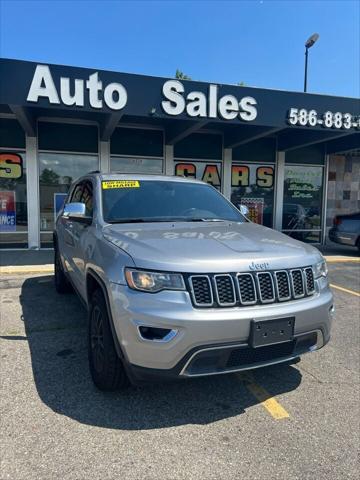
166, 219
128, 220
208, 220
143, 220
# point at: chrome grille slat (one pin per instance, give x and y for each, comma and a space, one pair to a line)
309, 280
297, 283
224, 290
246, 288
201, 290
266, 287
282, 285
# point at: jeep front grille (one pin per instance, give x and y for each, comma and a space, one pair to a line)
242, 289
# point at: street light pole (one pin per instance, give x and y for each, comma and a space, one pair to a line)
306, 68
309, 43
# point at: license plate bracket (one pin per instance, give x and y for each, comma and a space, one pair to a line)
269, 332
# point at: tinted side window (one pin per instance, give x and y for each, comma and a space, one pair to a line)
76, 195
87, 198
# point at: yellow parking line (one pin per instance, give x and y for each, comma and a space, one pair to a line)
270, 403
346, 290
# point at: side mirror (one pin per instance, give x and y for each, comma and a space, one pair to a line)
244, 210
76, 211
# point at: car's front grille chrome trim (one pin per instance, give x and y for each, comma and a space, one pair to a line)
218, 294
251, 288
265, 289
309, 279
195, 294
296, 291
279, 288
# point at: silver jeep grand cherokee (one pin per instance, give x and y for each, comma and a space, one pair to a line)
178, 283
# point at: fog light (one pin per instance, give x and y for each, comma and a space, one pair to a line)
332, 312
155, 334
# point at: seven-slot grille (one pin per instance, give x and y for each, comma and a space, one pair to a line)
225, 290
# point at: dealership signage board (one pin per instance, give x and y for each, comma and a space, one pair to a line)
114, 96
72, 88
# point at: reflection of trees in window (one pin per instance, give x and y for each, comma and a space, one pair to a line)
67, 180
49, 177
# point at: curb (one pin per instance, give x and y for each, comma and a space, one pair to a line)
341, 259
26, 269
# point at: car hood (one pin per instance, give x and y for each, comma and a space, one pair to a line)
209, 247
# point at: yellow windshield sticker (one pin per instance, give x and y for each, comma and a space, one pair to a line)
120, 184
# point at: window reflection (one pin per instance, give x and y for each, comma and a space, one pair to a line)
136, 165
252, 186
57, 172
303, 187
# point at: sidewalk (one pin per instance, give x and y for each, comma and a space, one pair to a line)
42, 261
26, 261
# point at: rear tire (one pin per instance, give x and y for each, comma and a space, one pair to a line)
358, 244
62, 284
106, 368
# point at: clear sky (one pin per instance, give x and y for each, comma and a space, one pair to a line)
259, 42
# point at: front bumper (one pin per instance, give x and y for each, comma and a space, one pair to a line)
206, 330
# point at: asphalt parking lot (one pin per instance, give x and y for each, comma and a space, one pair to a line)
284, 422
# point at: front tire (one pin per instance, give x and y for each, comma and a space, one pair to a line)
106, 368
62, 284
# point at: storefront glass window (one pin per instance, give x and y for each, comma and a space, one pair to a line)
209, 172
57, 172
13, 201
252, 186
136, 165
303, 187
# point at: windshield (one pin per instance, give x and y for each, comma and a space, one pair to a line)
160, 201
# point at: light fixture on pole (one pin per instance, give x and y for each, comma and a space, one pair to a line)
309, 43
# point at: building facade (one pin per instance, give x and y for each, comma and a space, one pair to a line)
291, 158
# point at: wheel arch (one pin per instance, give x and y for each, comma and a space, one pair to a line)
95, 282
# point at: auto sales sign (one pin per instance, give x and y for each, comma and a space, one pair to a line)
175, 101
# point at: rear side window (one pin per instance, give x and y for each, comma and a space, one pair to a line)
87, 198
76, 196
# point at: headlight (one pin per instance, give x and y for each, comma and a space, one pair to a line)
154, 281
320, 269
